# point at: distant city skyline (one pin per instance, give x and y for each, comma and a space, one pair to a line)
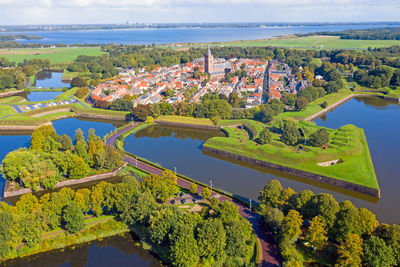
22, 12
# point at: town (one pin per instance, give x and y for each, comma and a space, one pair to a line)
190, 81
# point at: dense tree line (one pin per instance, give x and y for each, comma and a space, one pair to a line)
388, 33
52, 157
215, 235
299, 217
16, 77
381, 76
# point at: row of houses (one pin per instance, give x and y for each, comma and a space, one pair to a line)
179, 83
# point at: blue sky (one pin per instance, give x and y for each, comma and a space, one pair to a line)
118, 11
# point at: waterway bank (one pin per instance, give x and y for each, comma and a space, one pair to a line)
11, 190
308, 175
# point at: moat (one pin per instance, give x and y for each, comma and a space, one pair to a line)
181, 148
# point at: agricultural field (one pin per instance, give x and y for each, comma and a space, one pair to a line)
318, 42
55, 55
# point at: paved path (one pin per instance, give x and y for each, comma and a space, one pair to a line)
270, 253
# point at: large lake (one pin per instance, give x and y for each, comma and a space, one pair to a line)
181, 148
178, 35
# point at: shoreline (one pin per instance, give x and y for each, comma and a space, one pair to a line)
13, 193
307, 175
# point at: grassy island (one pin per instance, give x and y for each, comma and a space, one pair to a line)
346, 155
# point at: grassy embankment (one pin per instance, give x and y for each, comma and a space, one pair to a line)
41, 116
55, 55
185, 120
96, 228
347, 143
318, 42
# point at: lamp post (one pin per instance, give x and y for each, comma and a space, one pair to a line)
250, 203
175, 170
211, 185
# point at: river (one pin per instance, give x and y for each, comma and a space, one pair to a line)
181, 148
178, 35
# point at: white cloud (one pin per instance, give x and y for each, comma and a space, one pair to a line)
114, 11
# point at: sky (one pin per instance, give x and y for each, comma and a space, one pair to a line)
19, 12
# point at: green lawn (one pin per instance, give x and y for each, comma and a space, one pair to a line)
347, 143
188, 120
55, 55
320, 42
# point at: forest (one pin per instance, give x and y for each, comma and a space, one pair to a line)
317, 228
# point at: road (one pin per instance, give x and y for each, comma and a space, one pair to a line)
269, 248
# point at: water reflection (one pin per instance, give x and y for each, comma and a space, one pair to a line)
113, 251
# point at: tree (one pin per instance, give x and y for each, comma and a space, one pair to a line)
320, 138
97, 197
72, 218
237, 234
301, 200
301, 103
6, 222
290, 131
211, 239
323, 205
316, 233
378, 253
184, 248
81, 92
274, 217
206, 193
149, 120
79, 136
66, 142
193, 188
265, 137
162, 222
121, 104
235, 100
79, 168
347, 221
141, 112
291, 227
288, 99
391, 235
215, 120
367, 223
161, 187
82, 198
350, 251
78, 82
271, 193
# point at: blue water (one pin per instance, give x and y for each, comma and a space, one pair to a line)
45, 79
41, 96
177, 35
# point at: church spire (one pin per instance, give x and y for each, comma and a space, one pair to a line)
209, 51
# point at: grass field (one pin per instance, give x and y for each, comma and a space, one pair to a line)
181, 119
347, 143
319, 42
55, 55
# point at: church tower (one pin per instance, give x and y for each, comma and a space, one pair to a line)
209, 62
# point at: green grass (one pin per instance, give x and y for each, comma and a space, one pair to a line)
188, 120
319, 42
11, 100
347, 143
55, 55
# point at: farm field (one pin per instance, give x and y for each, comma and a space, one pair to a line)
319, 42
55, 55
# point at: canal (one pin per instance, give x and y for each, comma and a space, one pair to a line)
117, 250
181, 148
46, 79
